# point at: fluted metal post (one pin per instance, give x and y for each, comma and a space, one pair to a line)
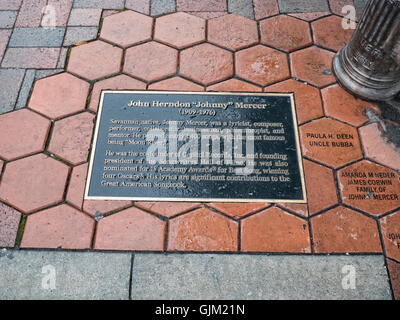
368, 65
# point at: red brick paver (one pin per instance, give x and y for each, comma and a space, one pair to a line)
151, 61
131, 229
59, 227
263, 232
76, 189
262, 65
345, 230
370, 187
71, 138
58, 96
330, 142
202, 230
126, 28
33, 183
23, 132
341, 105
232, 32
313, 65
321, 188
373, 140
206, 63
180, 30
329, 33
307, 99
95, 60
285, 33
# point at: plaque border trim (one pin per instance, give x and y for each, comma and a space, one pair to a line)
159, 199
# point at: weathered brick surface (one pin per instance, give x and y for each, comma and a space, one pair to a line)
34, 58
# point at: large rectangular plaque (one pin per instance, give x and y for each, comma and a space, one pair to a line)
191, 146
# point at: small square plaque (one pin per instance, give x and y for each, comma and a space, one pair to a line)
191, 146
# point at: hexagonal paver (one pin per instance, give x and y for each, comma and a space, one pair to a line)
370, 187
176, 83
237, 210
120, 82
307, 98
232, 31
331, 142
95, 60
131, 229
341, 105
71, 138
180, 30
126, 28
313, 65
9, 223
299, 208
264, 232
329, 33
104, 206
377, 147
344, 230
22, 132
206, 63
390, 226
285, 33
234, 85
262, 65
321, 187
33, 183
60, 227
77, 183
168, 209
59, 95
202, 230
151, 61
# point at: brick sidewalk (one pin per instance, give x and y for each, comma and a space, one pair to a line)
265, 46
